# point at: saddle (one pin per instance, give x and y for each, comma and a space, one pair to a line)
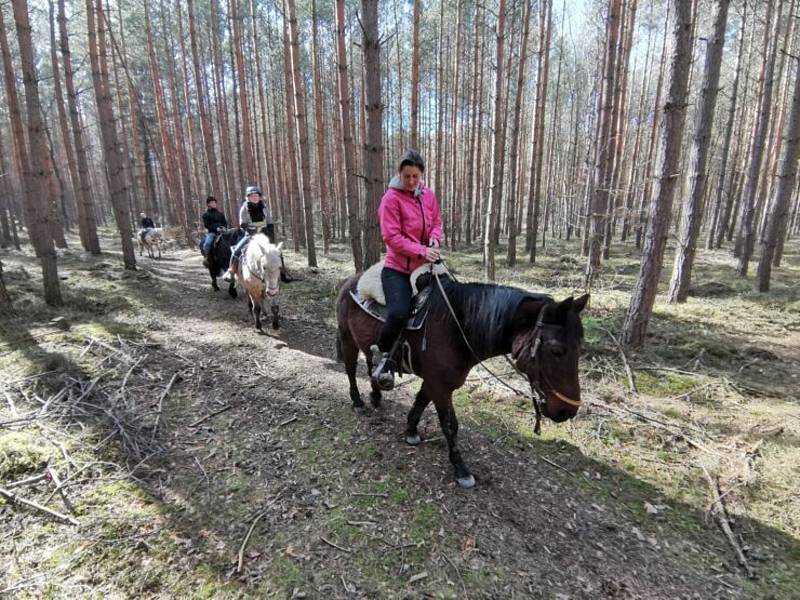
370, 298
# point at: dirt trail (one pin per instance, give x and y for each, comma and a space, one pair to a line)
532, 527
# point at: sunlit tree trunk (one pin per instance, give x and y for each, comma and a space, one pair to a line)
674, 118
111, 150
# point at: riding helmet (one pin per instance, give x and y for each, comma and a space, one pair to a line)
252, 189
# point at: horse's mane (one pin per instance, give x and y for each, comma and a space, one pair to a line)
486, 312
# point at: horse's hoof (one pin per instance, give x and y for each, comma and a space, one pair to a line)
466, 483
276, 325
375, 399
360, 409
413, 440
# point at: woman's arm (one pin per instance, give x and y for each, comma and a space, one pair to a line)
244, 215
391, 230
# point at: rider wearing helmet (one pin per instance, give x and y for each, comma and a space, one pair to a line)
254, 215
213, 220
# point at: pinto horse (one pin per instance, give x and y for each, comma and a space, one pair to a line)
543, 336
220, 257
259, 274
149, 239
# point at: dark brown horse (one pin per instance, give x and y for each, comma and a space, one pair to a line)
543, 336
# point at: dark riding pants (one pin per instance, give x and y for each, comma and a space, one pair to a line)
397, 289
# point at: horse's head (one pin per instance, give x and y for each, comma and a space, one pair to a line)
547, 351
269, 264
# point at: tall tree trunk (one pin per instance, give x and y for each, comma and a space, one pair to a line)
715, 217
415, 76
674, 118
183, 206
197, 187
373, 145
301, 122
111, 152
747, 223
652, 144
36, 174
605, 146
249, 164
167, 153
693, 208
229, 188
322, 169
348, 149
294, 197
474, 137
776, 221
498, 146
64, 124
511, 255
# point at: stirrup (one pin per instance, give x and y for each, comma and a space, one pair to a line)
382, 375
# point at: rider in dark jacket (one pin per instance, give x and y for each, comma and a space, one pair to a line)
146, 223
213, 219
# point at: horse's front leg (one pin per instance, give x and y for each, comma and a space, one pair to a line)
275, 307
375, 396
420, 403
232, 289
257, 314
449, 423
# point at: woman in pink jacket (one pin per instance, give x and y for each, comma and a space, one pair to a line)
411, 227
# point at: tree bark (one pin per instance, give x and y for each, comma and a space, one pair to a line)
36, 175
301, 122
498, 146
415, 76
715, 217
111, 151
373, 144
776, 221
674, 118
322, 159
693, 208
249, 163
747, 224
347, 147
511, 254
605, 145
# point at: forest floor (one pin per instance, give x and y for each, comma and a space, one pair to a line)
202, 459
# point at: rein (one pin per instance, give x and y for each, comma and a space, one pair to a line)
537, 341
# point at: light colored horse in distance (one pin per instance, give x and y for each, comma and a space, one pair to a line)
259, 275
153, 239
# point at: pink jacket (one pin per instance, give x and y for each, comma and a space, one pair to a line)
408, 222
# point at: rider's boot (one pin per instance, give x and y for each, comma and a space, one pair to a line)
232, 270
382, 375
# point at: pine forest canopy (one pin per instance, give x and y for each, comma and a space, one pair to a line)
644, 123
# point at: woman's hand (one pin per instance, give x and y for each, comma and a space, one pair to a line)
433, 254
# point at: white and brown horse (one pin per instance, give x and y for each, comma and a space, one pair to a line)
259, 275
151, 239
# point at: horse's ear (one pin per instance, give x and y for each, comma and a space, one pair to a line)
581, 303
563, 307
280, 247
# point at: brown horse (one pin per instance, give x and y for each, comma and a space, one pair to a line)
543, 336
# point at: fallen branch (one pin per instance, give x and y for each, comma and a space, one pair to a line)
720, 513
172, 381
673, 429
287, 421
27, 481
30, 503
258, 517
375, 495
247, 539
208, 416
556, 465
332, 545
53, 475
626, 364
